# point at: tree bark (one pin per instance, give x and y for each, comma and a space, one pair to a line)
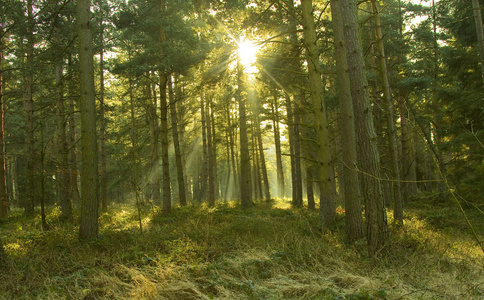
325, 168
245, 188
29, 116
277, 144
89, 180
152, 106
352, 192
165, 162
391, 131
377, 227
210, 155
4, 203
176, 143
102, 127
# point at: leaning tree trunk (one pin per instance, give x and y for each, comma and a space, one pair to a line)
377, 227
325, 168
89, 179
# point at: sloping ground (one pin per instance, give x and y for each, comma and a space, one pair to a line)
269, 252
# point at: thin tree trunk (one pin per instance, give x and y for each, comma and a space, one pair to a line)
204, 175
89, 180
102, 127
232, 153
62, 175
29, 116
391, 131
4, 203
164, 144
245, 188
277, 144
265, 176
176, 143
377, 227
214, 150
325, 168
154, 139
74, 188
210, 155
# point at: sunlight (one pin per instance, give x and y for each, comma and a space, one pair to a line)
248, 54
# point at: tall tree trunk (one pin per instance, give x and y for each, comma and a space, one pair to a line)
480, 33
210, 154
176, 143
204, 174
377, 227
214, 151
29, 116
89, 180
325, 167
165, 162
391, 131
277, 145
245, 188
293, 140
152, 106
233, 159
62, 175
4, 203
73, 171
265, 177
102, 127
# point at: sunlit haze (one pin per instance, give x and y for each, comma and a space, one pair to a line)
248, 54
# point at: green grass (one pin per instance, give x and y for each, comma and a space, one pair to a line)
268, 252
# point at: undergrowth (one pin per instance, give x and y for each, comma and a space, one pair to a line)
267, 252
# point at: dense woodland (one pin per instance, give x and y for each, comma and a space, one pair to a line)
358, 114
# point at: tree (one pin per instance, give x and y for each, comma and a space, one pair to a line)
4, 203
352, 187
480, 33
89, 177
326, 175
368, 161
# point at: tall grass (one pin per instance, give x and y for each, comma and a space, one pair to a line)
268, 252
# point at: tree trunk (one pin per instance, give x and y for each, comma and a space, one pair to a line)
204, 174
89, 180
210, 155
391, 132
176, 143
4, 203
245, 188
325, 168
29, 116
277, 143
62, 175
480, 33
73, 171
165, 162
236, 177
377, 227
102, 127
265, 177
154, 140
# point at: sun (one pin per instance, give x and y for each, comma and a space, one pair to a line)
247, 51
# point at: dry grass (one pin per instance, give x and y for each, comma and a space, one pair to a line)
269, 252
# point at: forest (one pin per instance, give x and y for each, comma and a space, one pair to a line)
241, 149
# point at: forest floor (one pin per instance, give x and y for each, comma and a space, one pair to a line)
268, 252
